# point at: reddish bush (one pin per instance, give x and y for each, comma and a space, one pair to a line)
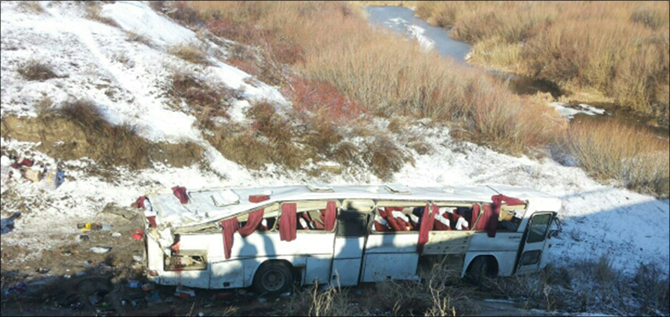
313, 96
232, 30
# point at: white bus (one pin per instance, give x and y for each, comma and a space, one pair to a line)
270, 237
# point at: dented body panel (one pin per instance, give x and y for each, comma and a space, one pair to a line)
191, 233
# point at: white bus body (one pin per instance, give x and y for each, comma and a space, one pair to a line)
185, 243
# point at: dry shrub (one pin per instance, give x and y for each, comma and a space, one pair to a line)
190, 53
205, 100
652, 290
93, 13
588, 286
36, 70
241, 146
134, 37
333, 45
322, 133
612, 150
116, 144
346, 153
385, 158
315, 96
618, 49
440, 292
185, 13
312, 302
31, 6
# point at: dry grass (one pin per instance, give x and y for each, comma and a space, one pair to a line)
134, 37
616, 151
311, 302
618, 49
205, 100
190, 52
93, 13
120, 143
31, 6
336, 46
588, 286
36, 70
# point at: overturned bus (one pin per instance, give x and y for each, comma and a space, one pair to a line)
269, 237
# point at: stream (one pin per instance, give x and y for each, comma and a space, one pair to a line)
404, 22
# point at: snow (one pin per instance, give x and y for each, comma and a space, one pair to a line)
134, 17
598, 219
569, 112
413, 32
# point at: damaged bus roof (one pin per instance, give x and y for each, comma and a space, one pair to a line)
213, 204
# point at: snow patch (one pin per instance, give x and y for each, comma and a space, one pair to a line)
569, 112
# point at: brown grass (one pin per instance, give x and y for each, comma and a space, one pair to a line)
415, 83
122, 145
134, 37
619, 50
31, 6
615, 151
312, 302
36, 70
588, 286
93, 13
190, 53
205, 100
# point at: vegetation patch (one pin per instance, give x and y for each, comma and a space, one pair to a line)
93, 13
191, 53
616, 151
588, 286
36, 70
619, 50
78, 129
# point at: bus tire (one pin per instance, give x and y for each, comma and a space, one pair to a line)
480, 267
273, 278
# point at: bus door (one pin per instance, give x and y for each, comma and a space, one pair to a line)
530, 253
350, 234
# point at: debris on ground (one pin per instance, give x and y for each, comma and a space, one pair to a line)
116, 234
138, 235
133, 283
184, 292
100, 250
148, 287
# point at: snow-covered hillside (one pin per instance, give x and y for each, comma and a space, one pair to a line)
126, 79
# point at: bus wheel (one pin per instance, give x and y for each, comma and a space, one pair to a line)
480, 267
273, 278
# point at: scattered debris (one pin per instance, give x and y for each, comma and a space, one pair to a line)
83, 237
184, 292
42, 270
262, 300
66, 253
116, 234
138, 235
223, 296
133, 283
137, 258
155, 298
100, 250
148, 287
